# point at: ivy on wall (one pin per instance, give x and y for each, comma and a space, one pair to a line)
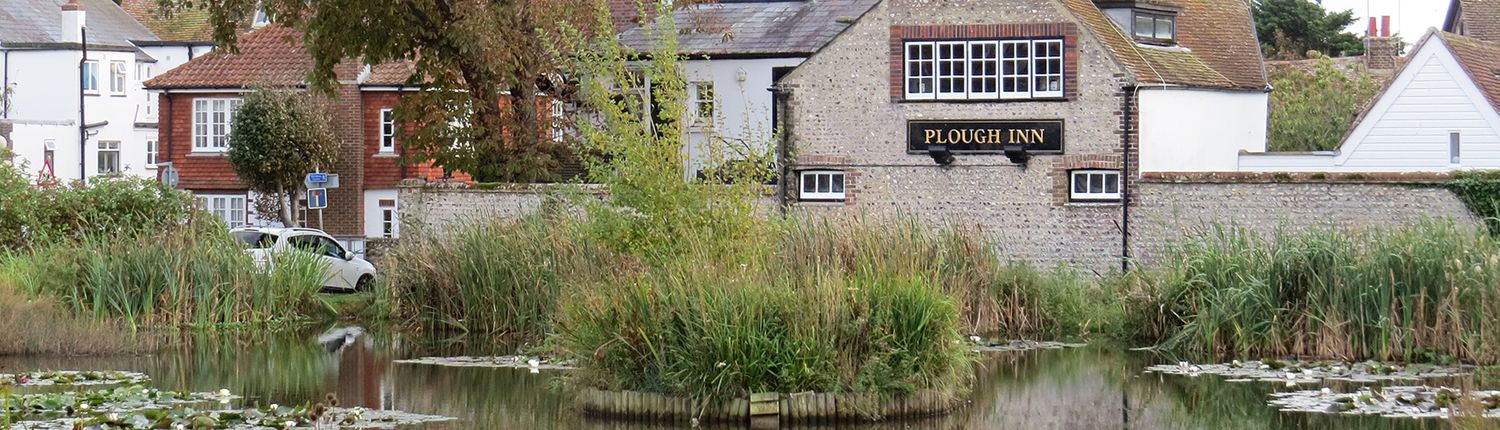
1480, 191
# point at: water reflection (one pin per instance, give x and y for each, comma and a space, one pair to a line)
1087, 388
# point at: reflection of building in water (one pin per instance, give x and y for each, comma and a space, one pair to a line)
362, 375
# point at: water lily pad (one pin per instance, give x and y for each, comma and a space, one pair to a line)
73, 377
1392, 402
508, 361
1306, 372
995, 345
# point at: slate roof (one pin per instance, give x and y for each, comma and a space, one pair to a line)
1481, 18
1481, 59
1217, 46
182, 26
727, 28
38, 23
273, 56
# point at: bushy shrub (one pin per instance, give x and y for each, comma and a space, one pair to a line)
32, 215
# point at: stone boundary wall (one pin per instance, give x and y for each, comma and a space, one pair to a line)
442, 208
1164, 212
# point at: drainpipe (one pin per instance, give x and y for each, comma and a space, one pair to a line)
1125, 175
83, 130
778, 100
5, 81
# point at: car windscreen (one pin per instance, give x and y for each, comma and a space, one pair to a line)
255, 239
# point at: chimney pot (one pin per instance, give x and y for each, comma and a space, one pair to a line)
1385, 26
1373, 30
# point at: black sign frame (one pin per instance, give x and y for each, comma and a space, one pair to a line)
1052, 130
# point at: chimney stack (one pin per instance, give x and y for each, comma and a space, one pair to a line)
72, 22
1381, 55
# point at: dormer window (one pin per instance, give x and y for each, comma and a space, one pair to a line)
262, 18
1155, 27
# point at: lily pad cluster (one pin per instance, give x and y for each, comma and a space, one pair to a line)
139, 407
508, 361
1293, 372
70, 377
998, 345
1393, 402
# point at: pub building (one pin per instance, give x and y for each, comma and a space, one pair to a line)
1031, 119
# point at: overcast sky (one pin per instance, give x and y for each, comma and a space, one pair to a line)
1409, 18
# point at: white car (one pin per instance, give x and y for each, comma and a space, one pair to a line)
345, 270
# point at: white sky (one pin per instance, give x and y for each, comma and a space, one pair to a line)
1409, 18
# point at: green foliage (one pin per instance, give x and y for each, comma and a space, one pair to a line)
1480, 191
32, 216
1418, 291
1289, 28
482, 62
278, 137
193, 276
1312, 108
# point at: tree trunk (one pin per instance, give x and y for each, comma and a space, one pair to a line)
288, 200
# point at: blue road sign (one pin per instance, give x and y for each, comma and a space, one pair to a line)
317, 177
317, 198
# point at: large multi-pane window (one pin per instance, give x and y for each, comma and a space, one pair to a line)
984, 69
230, 208
212, 119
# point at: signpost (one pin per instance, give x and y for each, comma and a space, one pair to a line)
318, 184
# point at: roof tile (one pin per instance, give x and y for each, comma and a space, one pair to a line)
1216, 48
273, 56
754, 28
1481, 59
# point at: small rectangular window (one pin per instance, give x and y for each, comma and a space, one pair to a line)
91, 77
1155, 27
1095, 186
703, 103
1015, 69
151, 152
117, 77
919, 71
822, 185
109, 157
952, 70
1453, 146
558, 114
984, 70
387, 131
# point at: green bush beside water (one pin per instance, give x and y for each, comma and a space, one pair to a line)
1417, 293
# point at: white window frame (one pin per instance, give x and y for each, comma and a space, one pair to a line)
1455, 147
213, 117
1019, 65
705, 103
231, 208
91, 77
152, 151
558, 111
1089, 194
387, 121
390, 221
117, 78
954, 58
920, 71
108, 147
1042, 66
984, 70
837, 189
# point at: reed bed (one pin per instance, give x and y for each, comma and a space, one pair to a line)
1417, 293
190, 277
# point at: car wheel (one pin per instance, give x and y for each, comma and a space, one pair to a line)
365, 284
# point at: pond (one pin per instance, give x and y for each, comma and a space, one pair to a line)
1089, 387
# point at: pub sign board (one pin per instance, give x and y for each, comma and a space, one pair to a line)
1038, 137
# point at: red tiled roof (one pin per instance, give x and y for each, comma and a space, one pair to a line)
1481, 59
271, 56
1217, 46
1481, 18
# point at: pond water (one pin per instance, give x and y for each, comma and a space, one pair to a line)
1091, 387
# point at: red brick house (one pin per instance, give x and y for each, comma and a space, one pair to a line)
198, 101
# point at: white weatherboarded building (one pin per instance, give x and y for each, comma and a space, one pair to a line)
1439, 113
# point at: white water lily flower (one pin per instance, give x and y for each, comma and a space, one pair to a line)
223, 392
113, 416
290, 424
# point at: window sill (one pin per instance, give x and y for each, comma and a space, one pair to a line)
1087, 203
821, 203
383, 154
206, 154
91, 93
117, 94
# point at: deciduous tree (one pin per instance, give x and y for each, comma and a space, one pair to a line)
480, 63
277, 137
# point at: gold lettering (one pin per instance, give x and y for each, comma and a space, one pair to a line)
994, 136
1037, 134
955, 136
927, 136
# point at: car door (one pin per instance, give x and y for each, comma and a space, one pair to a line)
341, 269
316, 245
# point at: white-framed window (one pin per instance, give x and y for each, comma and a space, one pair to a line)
822, 185
117, 77
49, 157
1154, 26
704, 103
91, 77
212, 119
952, 70
390, 225
1094, 185
1454, 142
262, 18
144, 71
109, 157
151, 152
919, 71
984, 69
558, 112
387, 131
230, 208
